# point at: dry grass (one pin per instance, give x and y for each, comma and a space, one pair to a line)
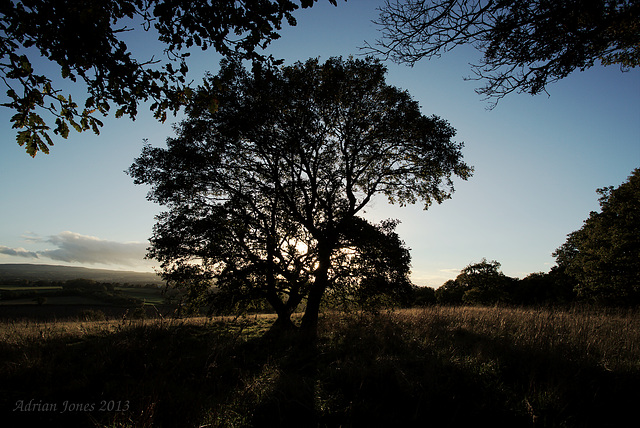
610, 339
441, 366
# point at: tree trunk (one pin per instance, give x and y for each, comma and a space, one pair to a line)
309, 323
283, 309
283, 323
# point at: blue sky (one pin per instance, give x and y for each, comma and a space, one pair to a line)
538, 161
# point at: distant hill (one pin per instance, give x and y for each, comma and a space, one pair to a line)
20, 272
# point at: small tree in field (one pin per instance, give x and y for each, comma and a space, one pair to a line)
478, 283
264, 194
484, 283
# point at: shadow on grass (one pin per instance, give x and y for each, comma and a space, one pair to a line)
156, 376
368, 371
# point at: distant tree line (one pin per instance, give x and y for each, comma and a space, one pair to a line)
599, 264
483, 283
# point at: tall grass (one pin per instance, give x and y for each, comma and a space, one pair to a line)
438, 366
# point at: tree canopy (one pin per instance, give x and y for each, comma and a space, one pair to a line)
86, 40
526, 44
264, 194
477, 283
604, 255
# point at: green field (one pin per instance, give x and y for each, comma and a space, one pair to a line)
151, 296
55, 300
38, 289
438, 366
95, 302
147, 295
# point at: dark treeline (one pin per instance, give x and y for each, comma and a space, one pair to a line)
484, 284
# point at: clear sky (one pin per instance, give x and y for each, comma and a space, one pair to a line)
538, 161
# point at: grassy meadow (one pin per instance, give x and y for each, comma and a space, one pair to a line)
437, 366
54, 302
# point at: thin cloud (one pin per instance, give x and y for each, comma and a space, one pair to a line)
73, 247
31, 237
18, 252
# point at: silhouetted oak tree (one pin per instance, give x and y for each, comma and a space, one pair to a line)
604, 255
526, 44
85, 38
264, 193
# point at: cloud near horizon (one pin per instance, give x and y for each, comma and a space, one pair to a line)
18, 252
74, 247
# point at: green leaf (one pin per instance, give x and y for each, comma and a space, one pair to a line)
62, 129
23, 137
32, 148
75, 125
19, 120
94, 126
25, 64
41, 145
49, 140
